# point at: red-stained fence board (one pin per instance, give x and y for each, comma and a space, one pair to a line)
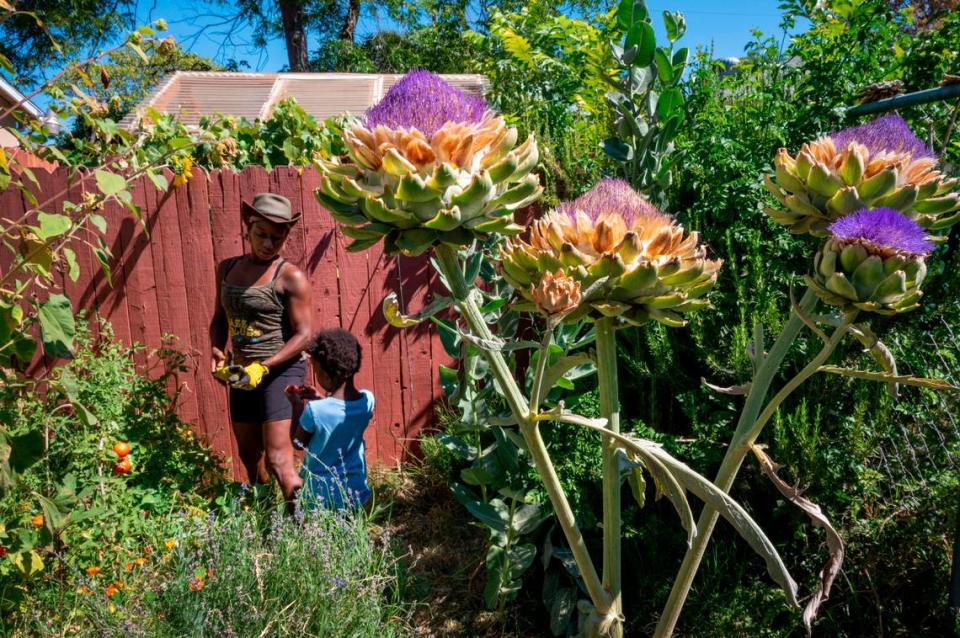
355, 317
171, 289
138, 269
417, 368
285, 181
225, 228
385, 341
320, 265
199, 276
225, 224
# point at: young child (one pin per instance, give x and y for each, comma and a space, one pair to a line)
331, 429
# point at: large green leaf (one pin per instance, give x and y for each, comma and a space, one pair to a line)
57, 328
642, 36
484, 512
110, 183
52, 225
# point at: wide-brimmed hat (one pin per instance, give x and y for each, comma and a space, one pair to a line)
272, 207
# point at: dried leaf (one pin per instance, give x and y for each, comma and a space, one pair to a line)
933, 384
834, 543
734, 390
735, 515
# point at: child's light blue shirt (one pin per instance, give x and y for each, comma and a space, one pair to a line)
334, 465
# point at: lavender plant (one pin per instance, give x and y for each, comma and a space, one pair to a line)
610, 258
875, 193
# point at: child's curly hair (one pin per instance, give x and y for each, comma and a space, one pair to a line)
337, 352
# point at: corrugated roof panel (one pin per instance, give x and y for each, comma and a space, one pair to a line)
324, 97
252, 95
198, 95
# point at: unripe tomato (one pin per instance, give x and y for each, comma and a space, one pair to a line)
121, 449
123, 467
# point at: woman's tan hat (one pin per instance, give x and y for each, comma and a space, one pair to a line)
272, 207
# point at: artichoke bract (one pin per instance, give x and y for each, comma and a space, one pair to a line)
874, 261
881, 164
428, 164
611, 254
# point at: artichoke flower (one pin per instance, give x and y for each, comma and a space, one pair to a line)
874, 261
630, 260
428, 164
881, 164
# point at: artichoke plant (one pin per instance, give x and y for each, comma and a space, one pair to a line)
873, 260
880, 164
427, 165
630, 260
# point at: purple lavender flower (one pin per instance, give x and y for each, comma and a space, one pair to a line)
887, 133
424, 101
883, 227
611, 195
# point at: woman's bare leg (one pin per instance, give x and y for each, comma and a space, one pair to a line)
279, 449
250, 445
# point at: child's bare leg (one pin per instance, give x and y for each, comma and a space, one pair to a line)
276, 441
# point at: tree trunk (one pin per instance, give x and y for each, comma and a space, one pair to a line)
350, 20
292, 14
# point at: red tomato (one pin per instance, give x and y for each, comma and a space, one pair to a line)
121, 449
123, 467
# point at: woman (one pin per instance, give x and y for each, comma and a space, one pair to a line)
263, 303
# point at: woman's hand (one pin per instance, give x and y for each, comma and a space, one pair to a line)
218, 359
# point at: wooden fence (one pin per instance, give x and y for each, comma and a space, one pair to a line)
163, 274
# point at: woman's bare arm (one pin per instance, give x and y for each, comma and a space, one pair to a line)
218, 327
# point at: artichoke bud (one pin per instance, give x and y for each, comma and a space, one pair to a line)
874, 261
649, 269
556, 294
879, 165
433, 164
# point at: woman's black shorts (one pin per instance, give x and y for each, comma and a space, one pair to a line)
267, 402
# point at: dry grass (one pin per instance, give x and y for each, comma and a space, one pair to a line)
443, 557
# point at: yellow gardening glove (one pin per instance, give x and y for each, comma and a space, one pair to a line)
252, 375
227, 373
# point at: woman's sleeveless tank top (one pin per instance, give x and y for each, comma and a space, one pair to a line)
256, 316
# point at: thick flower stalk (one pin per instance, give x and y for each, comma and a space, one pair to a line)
428, 165
874, 261
631, 261
880, 164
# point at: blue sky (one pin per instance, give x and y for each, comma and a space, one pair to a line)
199, 26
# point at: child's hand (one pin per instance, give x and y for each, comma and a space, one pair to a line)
299, 393
309, 393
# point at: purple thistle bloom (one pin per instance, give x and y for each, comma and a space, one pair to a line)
611, 195
888, 133
426, 102
883, 227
